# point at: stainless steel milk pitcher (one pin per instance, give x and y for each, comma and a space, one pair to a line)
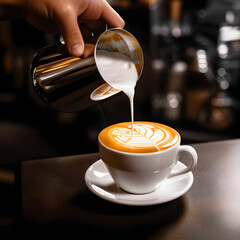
71, 84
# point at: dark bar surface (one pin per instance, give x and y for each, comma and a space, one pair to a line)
55, 201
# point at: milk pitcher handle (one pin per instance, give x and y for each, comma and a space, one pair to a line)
194, 158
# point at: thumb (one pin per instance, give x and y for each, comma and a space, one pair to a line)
72, 35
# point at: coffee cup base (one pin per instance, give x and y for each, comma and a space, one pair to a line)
100, 183
137, 193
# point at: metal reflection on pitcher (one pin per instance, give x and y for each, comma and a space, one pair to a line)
71, 84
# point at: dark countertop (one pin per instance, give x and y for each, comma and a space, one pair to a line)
53, 200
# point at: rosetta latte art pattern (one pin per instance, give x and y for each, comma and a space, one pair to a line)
147, 137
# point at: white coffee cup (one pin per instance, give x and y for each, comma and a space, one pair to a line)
141, 173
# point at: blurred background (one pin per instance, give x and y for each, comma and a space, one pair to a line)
190, 81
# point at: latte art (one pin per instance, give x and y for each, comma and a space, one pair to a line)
147, 137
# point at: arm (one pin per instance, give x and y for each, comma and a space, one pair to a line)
74, 19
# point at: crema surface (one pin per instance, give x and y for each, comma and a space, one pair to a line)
147, 137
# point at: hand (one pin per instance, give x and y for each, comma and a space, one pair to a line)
75, 20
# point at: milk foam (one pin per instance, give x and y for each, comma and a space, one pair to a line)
119, 71
148, 137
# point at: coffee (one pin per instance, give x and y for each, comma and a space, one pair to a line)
147, 137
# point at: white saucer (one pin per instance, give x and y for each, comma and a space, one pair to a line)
101, 183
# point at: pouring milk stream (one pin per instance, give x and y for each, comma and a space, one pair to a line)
120, 72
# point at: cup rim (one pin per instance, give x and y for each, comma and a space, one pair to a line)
141, 153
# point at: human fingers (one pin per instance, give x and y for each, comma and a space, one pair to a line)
99, 13
88, 50
100, 9
68, 24
111, 17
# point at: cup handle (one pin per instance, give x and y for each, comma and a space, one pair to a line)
194, 158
